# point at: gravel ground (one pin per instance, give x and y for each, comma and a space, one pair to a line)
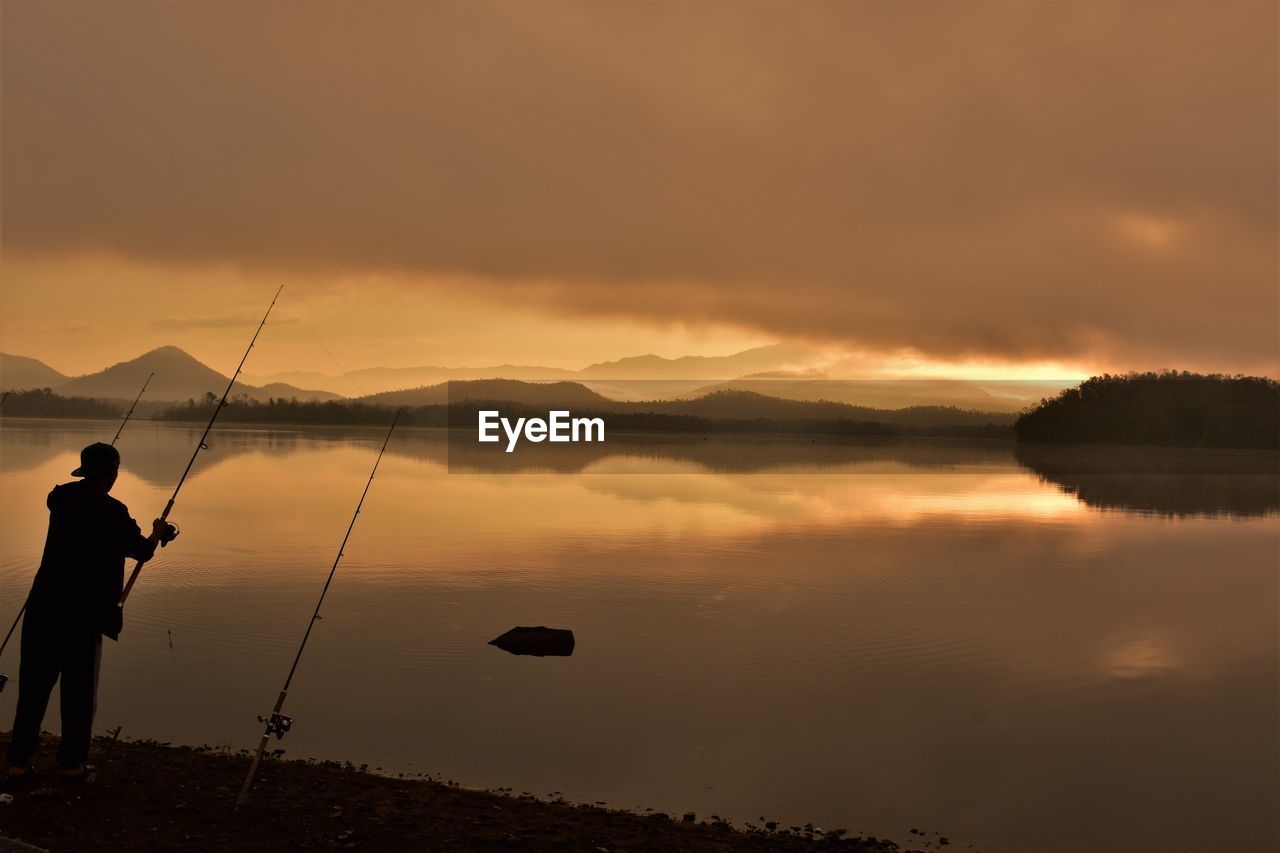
154, 797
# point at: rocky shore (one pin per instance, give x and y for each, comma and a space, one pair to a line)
154, 797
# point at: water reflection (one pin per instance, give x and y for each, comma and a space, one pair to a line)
874, 636
1171, 482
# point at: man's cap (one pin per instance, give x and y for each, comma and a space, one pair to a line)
97, 458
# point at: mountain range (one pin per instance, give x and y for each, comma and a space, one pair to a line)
782, 371
686, 372
178, 376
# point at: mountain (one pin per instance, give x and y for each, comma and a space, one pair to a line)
373, 379
313, 379
785, 371
670, 376
722, 405
721, 367
539, 394
17, 373
178, 376
281, 391
876, 393
750, 405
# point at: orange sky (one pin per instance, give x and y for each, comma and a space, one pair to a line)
977, 188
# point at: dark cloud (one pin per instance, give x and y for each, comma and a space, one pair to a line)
1021, 180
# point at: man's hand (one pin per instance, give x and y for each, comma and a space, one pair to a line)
163, 532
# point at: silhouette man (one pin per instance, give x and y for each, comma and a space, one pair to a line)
74, 601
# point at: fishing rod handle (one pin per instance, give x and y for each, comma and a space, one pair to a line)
137, 567
133, 578
243, 796
257, 756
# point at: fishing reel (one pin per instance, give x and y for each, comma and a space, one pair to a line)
170, 533
277, 724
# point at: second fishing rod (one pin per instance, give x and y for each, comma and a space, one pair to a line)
4, 679
277, 723
201, 445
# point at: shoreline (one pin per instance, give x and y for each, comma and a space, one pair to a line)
678, 436
725, 429
151, 796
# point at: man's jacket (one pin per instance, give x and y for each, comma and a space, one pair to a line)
81, 573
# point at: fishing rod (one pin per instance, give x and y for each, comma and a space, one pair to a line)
3, 645
278, 724
200, 445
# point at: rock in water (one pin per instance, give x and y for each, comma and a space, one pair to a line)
539, 641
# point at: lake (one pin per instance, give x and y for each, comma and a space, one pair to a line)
1019, 649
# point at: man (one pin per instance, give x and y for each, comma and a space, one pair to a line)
74, 601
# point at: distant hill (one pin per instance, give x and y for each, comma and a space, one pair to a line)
18, 373
686, 372
377, 380
281, 390
537, 394
178, 376
756, 360
312, 379
724, 405
392, 378
874, 393
455, 404
786, 371
749, 405
1162, 409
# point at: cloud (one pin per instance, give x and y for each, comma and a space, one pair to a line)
1004, 180
182, 324
224, 321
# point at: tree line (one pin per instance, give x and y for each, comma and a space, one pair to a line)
44, 403
1162, 409
464, 414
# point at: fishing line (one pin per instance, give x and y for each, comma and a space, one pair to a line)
278, 724
168, 589
303, 317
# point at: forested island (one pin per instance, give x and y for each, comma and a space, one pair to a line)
1168, 409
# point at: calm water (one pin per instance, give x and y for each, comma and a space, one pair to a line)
1052, 652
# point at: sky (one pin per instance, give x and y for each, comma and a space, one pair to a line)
956, 188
